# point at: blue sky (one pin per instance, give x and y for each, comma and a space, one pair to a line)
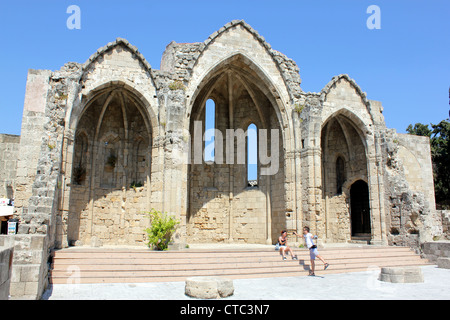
405, 64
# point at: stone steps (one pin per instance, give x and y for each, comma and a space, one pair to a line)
134, 266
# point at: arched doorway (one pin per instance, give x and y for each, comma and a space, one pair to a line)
344, 160
360, 209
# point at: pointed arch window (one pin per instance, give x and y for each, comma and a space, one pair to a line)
252, 155
340, 174
210, 126
80, 158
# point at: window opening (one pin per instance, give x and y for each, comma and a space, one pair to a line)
252, 156
210, 125
340, 174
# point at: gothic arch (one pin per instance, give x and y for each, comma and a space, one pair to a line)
250, 73
252, 43
344, 114
329, 89
96, 76
342, 137
113, 86
242, 98
107, 206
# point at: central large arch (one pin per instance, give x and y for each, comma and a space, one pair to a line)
223, 205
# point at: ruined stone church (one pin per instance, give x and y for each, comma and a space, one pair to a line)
104, 142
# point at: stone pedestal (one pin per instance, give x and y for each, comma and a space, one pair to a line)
401, 274
209, 287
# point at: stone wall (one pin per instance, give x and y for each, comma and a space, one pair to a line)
39, 178
9, 151
29, 276
445, 221
435, 250
6, 257
31, 135
411, 215
415, 155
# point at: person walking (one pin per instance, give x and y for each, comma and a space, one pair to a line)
313, 253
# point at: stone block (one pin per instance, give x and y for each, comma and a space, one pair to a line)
6, 256
401, 274
433, 250
29, 273
17, 289
209, 287
443, 263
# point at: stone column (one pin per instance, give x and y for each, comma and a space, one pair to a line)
298, 211
312, 189
175, 162
376, 187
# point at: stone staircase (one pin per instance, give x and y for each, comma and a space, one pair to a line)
96, 265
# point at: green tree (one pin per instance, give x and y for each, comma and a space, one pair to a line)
440, 154
419, 129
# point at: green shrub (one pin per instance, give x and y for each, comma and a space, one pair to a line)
162, 228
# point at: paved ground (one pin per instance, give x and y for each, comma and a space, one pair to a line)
356, 286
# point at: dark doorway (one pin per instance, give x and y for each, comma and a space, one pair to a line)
360, 209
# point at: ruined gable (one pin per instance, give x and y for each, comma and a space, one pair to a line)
343, 93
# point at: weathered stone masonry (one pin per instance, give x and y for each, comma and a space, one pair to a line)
105, 141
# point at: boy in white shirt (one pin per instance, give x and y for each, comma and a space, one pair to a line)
313, 253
